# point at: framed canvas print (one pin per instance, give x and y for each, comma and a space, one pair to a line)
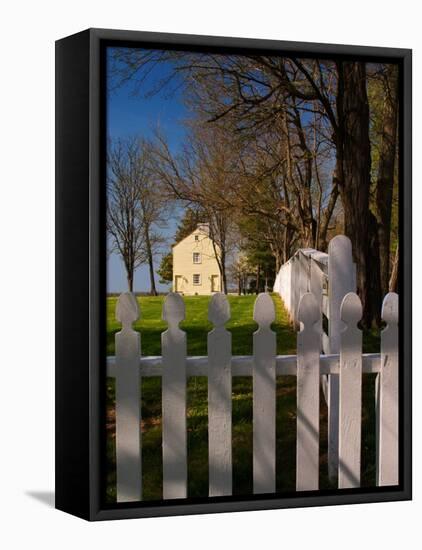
233, 274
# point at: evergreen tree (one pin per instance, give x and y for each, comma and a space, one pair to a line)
165, 271
189, 222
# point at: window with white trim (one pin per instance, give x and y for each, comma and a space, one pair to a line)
196, 237
196, 279
196, 257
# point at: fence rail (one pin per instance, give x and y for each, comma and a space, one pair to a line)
219, 366
242, 365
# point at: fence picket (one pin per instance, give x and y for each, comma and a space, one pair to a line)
173, 343
388, 413
341, 281
264, 396
128, 402
219, 398
341, 369
308, 377
350, 393
316, 282
295, 278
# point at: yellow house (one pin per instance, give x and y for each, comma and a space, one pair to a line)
195, 268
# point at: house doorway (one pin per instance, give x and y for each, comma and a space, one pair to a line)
178, 283
215, 286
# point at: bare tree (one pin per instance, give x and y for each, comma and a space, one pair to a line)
394, 278
247, 93
202, 176
135, 208
123, 201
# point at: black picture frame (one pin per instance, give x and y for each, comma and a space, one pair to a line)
80, 274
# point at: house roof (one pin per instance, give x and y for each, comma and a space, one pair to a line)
204, 228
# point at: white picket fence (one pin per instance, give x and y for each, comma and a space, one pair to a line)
329, 277
128, 367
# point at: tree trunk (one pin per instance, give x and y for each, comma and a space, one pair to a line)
394, 279
258, 275
373, 275
385, 180
220, 256
326, 217
287, 241
130, 282
130, 270
222, 265
308, 223
224, 281
153, 290
354, 154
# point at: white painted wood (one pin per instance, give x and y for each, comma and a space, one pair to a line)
128, 366
304, 277
300, 282
264, 396
242, 365
308, 376
295, 291
388, 396
331, 394
219, 398
283, 285
293, 278
325, 342
128, 402
315, 287
341, 281
350, 392
325, 306
173, 344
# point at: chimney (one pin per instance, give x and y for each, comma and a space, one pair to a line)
204, 228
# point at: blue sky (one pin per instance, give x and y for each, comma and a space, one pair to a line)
129, 115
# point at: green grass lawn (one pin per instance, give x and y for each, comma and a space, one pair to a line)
241, 326
197, 325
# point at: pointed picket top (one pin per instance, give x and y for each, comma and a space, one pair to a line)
390, 309
350, 394
219, 310
173, 309
264, 312
127, 309
308, 382
341, 280
173, 346
128, 400
264, 396
340, 244
219, 398
351, 310
308, 311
